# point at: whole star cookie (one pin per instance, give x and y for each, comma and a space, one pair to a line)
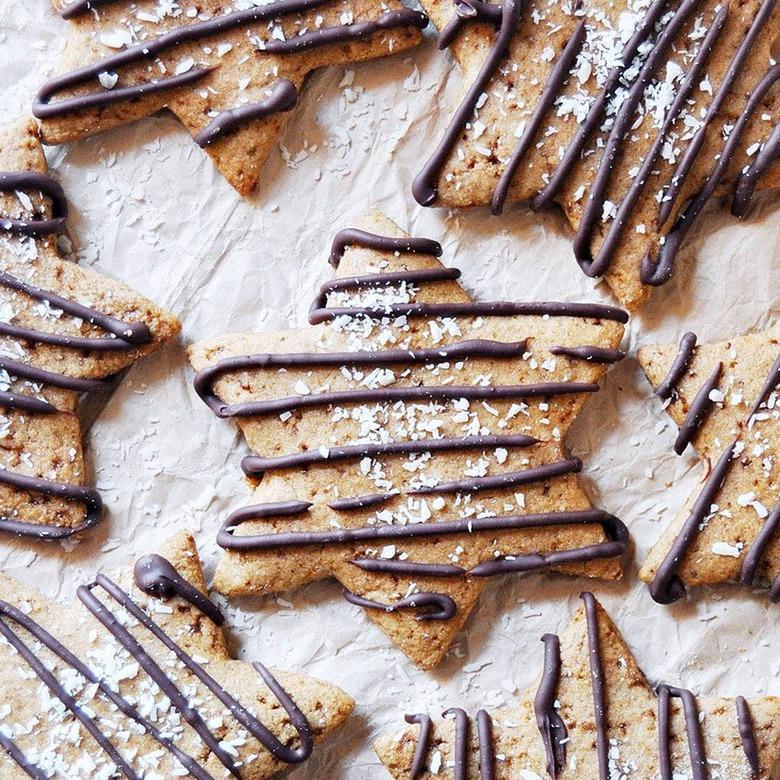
64, 331
230, 72
592, 714
630, 116
136, 681
724, 398
410, 442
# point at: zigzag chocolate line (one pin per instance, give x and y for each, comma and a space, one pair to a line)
429, 606
698, 411
36, 182
43, 108
549, 722
748, 179
362, 238
692, 726
679, 366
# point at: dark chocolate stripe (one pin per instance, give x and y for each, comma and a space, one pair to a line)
8, 611
666, 587
279, 750
45, 487
283, 97
345, 33
407, 395
256, 465
423, 743
128, 334
679, 366
548, 721
659, 272
475, 484
35, 182
598, 685
555, 81
772, 381
356, 503
476, 309
688, 158
461, 742
80, 7
747, 734
613, 146
429, 606
424, 187
408, 568
366, 240
382, 280
598, 107
157, 576
43, 108
487, 758
272, 541
205, 379
21, 760
748, 179
699, 407
592, 354
628, 200
468, 11
692, 728
759, 546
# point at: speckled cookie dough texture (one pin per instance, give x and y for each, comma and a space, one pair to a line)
592, 716
410, 442
724, 398
230, 72
64, 331
136, 681
630, 115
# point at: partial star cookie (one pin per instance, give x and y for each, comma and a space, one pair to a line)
725, 399
64, 331
592, 715
630, 116
136, 681
410, 442
230, 73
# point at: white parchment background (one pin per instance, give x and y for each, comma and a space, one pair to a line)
148, 207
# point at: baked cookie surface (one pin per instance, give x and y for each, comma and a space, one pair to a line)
136, 681
410, 442
64, 331
724, 398
229, 72
592, 714
631, 116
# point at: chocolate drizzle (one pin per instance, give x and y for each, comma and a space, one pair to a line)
679, 366
429, 606
35, 182
692, 727
461, 741
747, 734
468, 11
424, 187
756, 552
550, 724
699, 408
418, 762
157, 576
487, 758
9, 613
748, 179
44, 108
345, 33
283, 97
557, 78
366, 240
597, 684
590, 353
479, 309
258, 730
658, 272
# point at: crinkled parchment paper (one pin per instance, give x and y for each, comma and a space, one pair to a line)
149, 207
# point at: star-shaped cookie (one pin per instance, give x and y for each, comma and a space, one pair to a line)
230, 72
593, 715
64, 331
725, 399
629, 116
136, 681
410, 442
